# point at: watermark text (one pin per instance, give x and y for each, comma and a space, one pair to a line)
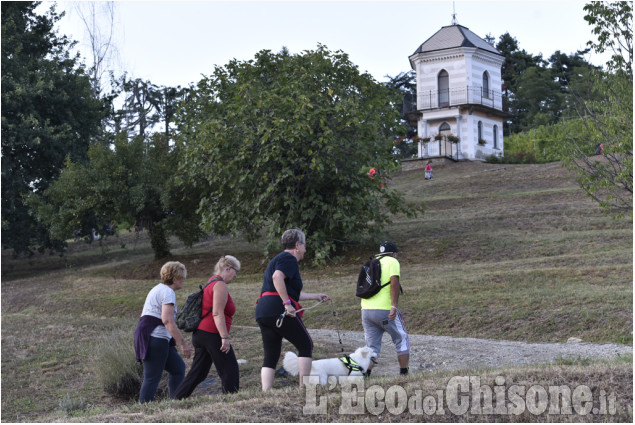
461, 395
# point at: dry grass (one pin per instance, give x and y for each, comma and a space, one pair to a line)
515, 254
286, 404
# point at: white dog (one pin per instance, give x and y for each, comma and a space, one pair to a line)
324, 368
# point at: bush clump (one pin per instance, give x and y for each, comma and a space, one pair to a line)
514, 158
117, 367
70, 405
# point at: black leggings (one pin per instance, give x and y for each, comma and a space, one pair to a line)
292, 330
207, 351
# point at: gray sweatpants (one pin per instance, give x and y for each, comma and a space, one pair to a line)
376, 322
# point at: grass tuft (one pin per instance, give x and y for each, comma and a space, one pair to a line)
117, 368
70, 405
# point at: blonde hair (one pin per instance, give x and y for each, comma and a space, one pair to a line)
172, 270
226, 261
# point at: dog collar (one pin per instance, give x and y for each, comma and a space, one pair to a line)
351, 364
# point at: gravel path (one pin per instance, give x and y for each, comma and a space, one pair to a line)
431, 353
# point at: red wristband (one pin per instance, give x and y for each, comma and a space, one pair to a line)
287, 302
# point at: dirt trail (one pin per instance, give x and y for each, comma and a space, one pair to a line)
431, 353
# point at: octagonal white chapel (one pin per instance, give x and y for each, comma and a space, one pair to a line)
459, 96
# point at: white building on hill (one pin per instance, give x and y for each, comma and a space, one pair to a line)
458, 96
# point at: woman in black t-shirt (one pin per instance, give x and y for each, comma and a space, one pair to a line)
280, 293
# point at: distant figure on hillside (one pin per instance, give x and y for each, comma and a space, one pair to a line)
373, 172
156, 335
429, 170
599, 149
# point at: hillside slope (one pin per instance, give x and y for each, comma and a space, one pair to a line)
512, 253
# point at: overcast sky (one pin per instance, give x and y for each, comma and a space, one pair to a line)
173, 43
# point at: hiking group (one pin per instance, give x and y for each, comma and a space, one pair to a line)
208, 314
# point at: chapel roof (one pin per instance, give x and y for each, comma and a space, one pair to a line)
454, 36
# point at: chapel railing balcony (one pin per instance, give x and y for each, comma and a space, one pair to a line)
460, 96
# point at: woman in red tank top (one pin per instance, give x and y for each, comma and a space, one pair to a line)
211, 340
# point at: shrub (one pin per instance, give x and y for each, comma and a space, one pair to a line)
117, 367
69, 405
514, 158
494, 159
405, 148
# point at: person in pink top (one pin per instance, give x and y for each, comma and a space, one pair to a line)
429, 170
211, 340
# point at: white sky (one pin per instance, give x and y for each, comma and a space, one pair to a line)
174, 43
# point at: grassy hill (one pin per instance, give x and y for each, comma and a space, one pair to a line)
515, 252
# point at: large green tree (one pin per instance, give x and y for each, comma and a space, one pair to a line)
128, 180
567, 69
516, 63
287, 140
605, 107
612, 22
537, 91
538, 99
49, 112
130, 176
571, 72
405, 84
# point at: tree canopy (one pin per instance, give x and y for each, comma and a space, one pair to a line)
282, 140
600, 144
536, 90
405, 84
131, 179
612, 22
49, 112
286, 141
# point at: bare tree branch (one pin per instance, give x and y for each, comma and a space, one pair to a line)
99, 22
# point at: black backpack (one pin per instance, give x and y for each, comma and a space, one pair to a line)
189, 317
369, 279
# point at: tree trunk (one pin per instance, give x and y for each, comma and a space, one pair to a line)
159, 241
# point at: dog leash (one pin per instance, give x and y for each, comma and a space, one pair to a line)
337, 325
335, 315
284, 314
